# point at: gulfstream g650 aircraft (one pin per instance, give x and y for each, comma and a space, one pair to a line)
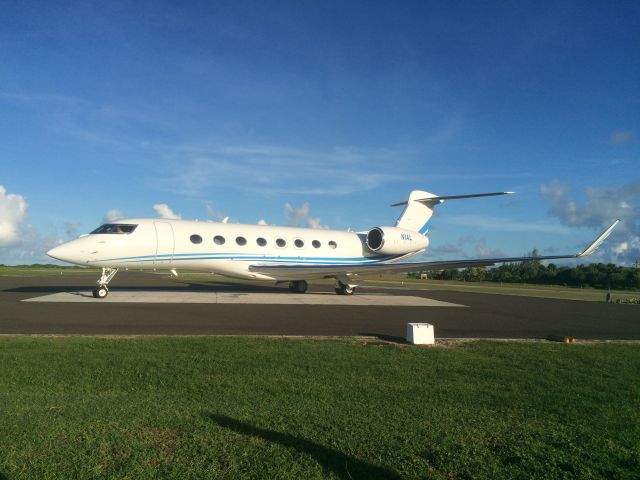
282, 254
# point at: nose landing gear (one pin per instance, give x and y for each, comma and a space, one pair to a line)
101, 291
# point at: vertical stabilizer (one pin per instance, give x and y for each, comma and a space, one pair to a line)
416, 215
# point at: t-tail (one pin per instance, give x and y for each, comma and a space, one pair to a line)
418, 209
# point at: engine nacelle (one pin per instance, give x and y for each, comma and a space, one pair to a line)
395, 241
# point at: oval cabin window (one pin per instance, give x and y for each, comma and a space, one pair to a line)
261, 242
218, 240
316, 244
195, 239
298, 243
280, 242
241, 241
332, 244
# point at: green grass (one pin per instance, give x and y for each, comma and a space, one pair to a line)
229, 407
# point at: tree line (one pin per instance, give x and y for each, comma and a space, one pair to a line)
597, 275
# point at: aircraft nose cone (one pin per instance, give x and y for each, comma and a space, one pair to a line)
67, 252
57, 252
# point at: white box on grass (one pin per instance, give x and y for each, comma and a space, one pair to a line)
420, 333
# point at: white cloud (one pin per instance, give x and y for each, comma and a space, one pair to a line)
214, 215
21, 243
484, 251
601, 206
620, 138
300, 216
13, 211
314, 222
296, 215
112, 215
71, 230
262, 221
165, 212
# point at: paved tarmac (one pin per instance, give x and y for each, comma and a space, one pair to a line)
487, 316
240, 298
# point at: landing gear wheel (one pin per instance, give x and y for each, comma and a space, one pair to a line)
100, 292
299, 286
343, 289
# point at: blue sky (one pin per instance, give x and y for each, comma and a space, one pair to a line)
336, 109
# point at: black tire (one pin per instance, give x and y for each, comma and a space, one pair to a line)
298, 286
345, 289
100, 292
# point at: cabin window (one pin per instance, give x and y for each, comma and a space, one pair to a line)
316, 244
332, 244
115, 228
298, 243
281, 242
261, 242
218, 240
195, 239
241, 241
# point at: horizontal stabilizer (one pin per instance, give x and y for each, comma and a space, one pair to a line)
452, 197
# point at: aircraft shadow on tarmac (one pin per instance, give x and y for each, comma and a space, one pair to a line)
178, 287
341, 465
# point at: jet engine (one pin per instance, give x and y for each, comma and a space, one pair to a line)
395, 241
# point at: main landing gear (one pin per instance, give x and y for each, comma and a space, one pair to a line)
344, 288
101, 291
298, 286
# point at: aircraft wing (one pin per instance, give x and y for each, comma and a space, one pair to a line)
302, 269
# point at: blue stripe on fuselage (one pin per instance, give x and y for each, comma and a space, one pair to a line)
248, 257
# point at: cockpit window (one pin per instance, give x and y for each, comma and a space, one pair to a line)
115, 228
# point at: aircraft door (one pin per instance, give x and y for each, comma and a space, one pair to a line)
164, 243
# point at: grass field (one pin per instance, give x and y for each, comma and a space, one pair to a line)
229, 407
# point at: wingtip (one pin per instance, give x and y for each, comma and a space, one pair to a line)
598, 241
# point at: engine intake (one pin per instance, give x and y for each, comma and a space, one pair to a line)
395, 241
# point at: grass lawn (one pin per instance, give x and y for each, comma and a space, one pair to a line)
231, 407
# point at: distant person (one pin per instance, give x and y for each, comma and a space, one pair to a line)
608, 297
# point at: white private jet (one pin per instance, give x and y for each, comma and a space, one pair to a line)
281, 254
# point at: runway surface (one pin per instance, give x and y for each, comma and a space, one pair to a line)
268, 310
239, 298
